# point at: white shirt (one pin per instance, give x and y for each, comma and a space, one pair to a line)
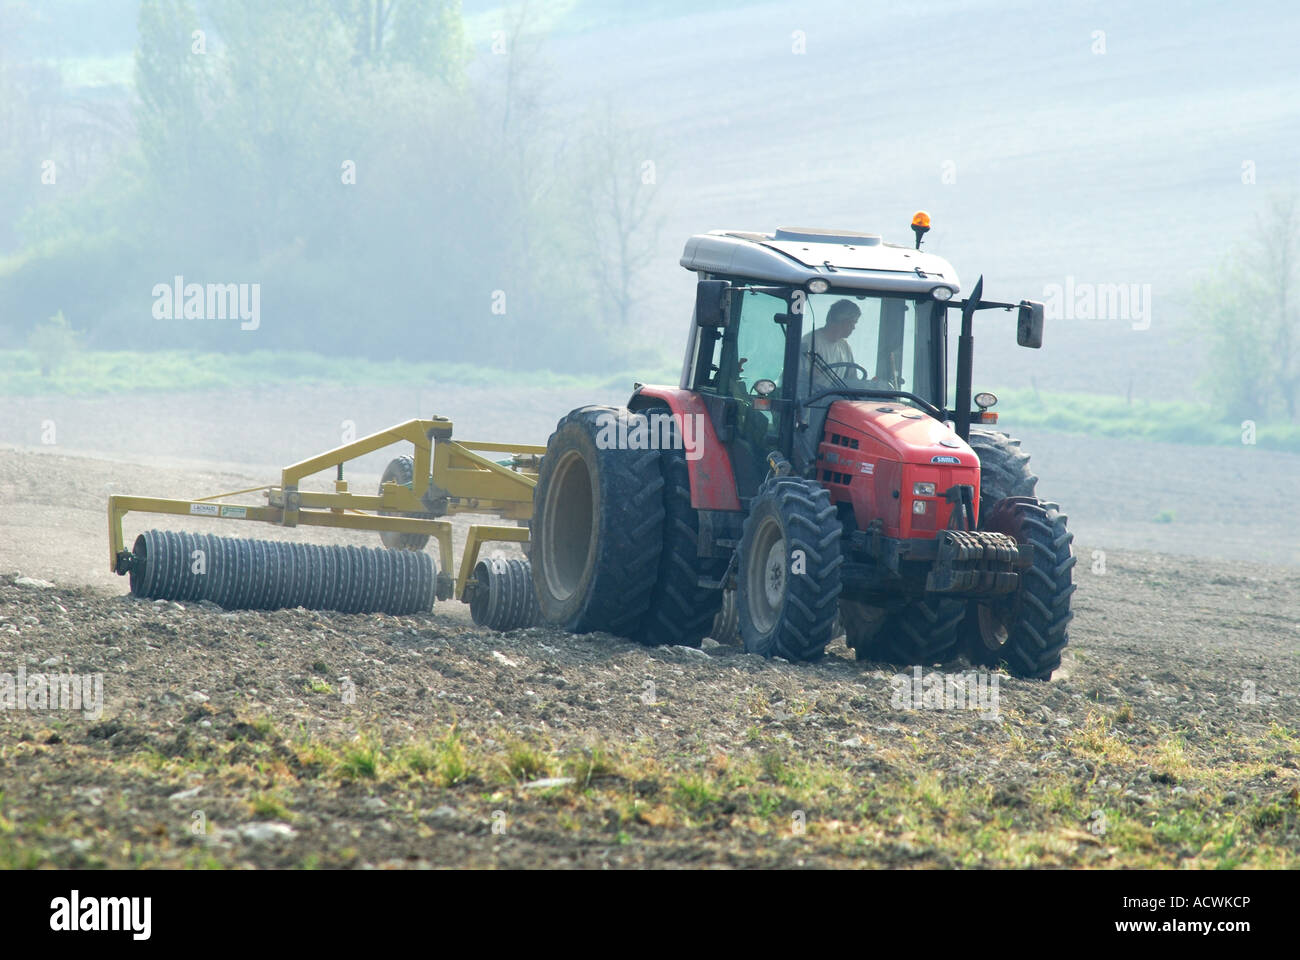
832, 351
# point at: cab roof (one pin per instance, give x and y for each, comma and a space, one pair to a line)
848, 260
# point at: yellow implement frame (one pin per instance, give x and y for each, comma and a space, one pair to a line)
450, 477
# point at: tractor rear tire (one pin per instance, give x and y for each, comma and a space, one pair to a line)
402, 470
1026, 631
922, 632
681, 611
862, 624
597, 526
790, 570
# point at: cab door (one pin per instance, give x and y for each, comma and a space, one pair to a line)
728, 362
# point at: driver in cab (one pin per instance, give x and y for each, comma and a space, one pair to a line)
831, 341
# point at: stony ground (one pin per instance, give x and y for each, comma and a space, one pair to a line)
1169, 737
297, 738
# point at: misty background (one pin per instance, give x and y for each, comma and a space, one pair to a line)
511, 185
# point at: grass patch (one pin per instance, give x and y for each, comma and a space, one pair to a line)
360, 760
269, 806
696, 792
451, 761
1116, 792
591, 764
1113, 416
523, 761
114, 372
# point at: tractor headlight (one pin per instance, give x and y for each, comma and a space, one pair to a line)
922, 490
941, 293
919, 506
818, 286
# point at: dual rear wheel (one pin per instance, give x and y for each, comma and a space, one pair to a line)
616, 546
615, 539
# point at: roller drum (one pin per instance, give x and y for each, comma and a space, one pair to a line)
270, 575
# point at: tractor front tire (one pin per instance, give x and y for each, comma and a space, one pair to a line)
790, 570
1027, 630
597, 525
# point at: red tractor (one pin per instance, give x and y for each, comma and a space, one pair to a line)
809, 461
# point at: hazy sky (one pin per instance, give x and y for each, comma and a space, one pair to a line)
1099, 141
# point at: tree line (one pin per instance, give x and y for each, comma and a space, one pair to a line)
390, 190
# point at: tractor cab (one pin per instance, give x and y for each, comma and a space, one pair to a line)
846, 342
789, 323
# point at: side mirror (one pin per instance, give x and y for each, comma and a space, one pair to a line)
712, 303
1029, 325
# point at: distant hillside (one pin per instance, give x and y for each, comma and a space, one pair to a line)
1117, 167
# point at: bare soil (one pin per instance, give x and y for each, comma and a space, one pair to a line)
299, 738
1169, 736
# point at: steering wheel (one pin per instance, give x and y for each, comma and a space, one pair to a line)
861, 375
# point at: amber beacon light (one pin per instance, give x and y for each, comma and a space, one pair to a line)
920, 225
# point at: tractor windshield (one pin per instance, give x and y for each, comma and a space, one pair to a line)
871, 342
848, 341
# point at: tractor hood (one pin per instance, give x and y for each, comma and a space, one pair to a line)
895, 464
901, 433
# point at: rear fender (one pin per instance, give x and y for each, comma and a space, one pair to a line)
713, 483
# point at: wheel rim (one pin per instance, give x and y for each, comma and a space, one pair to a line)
993, 626
568, 526
767, 573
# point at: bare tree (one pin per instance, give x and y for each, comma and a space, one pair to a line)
370, 26
1249, 313
1279, 254
619, 189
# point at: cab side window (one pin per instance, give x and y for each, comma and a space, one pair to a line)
758, 341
